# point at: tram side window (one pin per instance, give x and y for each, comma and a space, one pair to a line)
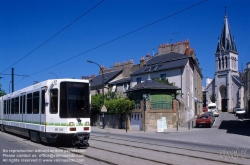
35, 102
5, 107
53, 101
24, 101
43, 101
16, 105
12, 106
8, 106
29, 103
21, 104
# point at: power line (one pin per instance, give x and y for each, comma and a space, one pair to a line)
53, 36
124, 35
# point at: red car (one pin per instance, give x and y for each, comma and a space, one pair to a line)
205, 109
204, 120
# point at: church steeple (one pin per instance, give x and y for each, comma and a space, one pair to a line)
226, 42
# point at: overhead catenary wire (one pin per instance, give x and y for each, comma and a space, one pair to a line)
53, 36
122, 36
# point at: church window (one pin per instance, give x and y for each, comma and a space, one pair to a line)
226, 61
219, 63
222, 62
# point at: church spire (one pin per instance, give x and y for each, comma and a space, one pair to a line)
226, 42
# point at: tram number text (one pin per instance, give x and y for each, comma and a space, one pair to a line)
59, 130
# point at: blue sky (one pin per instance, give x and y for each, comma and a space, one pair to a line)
26, 26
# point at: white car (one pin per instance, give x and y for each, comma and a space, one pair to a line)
213, 108
240, 111
234, 109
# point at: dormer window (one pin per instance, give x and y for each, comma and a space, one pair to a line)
138, 80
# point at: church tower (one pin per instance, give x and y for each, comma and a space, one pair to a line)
227, 81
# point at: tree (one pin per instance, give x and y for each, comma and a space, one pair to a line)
96, 102
2, 92
121, 105
213, 98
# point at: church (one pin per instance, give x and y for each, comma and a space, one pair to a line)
226, 89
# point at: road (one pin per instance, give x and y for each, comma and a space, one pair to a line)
227, 142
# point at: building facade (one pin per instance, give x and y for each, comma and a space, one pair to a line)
178, 64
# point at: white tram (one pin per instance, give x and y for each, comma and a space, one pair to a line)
48, 110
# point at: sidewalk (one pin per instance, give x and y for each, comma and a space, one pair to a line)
183, 128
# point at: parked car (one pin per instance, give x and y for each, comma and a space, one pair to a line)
204, 120
211, 115
240, 111
234, 109
212, 107
205, 109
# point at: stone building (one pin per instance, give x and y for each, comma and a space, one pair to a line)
226, 86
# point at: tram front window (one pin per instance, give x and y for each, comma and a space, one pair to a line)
74, 99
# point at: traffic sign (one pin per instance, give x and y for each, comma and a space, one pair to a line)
104, 109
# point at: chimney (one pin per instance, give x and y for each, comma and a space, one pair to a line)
92, 76
148, 56
187, 51
142, 62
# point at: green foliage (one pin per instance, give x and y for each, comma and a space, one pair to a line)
112, 95
213, 98
121, 105
2, 92
96, 102
165, 81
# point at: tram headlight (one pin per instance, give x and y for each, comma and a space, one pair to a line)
71, 123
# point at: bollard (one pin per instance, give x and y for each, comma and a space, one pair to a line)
177, 125
189, 125
192, 124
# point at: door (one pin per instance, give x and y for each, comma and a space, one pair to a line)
136, 121
224, 105
22, 109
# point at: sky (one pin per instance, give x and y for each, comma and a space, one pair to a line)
46, 39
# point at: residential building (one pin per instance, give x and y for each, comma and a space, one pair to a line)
246, 81
178, 64
226, 87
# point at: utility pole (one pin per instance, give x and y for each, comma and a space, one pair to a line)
12, 79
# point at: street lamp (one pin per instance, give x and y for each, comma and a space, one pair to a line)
102, 89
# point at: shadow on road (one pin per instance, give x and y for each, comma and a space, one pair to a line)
235, 127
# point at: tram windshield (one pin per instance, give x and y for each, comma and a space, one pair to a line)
74, 100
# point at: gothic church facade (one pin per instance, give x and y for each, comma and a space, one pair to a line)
226, 85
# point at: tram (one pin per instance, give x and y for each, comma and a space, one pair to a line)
49, 110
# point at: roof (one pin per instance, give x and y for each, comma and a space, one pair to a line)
151, 84
237, 78
172, 56
163, 62
122, 80
226, 42
97, 81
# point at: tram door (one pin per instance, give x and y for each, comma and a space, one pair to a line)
22, 109
42, 101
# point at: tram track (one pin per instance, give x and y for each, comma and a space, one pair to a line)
161, 145
192, 153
